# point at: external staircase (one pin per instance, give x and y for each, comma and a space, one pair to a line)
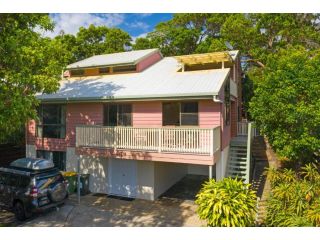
240, 162
237, 162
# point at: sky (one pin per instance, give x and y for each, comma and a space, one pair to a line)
137, 25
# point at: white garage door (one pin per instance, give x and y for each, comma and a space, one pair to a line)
123, 177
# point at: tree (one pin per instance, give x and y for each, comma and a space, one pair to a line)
286, 103
227, 203
184, 34
25, 68
96, 40
66, 48
143, 43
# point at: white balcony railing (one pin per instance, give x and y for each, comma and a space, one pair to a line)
242, 129
168, 140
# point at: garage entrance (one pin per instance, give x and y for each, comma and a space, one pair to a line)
187, 188
122, 178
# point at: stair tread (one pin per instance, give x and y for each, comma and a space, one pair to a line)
237, 172
238, 164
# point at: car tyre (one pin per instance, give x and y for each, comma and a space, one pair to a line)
19, 211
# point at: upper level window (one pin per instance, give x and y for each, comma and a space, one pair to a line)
129, 68
180, 114
52, 121
227, 102
117, 115
104, 70
77, 72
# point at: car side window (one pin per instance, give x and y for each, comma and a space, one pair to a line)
13, 180
2, 177
24, 181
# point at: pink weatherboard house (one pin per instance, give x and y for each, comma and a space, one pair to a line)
138, 122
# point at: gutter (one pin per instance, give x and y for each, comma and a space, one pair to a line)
216, 99
83, 100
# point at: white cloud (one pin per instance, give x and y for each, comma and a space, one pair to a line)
139, 25
142, 35
71, 22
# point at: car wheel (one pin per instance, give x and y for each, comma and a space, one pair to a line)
19, 211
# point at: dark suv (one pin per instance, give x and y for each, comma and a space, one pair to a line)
31, 185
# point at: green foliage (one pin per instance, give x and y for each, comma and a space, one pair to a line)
286, 104
294, 198
227, 203
143, 43
27, 67
96, 40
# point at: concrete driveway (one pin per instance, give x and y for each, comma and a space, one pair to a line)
103, 211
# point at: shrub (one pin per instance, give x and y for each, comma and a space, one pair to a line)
295, 197
227, 203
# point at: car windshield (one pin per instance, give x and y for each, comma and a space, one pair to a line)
46, 181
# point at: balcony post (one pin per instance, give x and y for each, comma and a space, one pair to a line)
115, 138
211, 142
210, 171
159, 140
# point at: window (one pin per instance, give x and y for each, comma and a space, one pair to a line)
130, 68
189, 113
117, 115
77, 72
13, 180
52, 121
171, 114
24, 181
227, 102
104, 70
4, 178
58, 158
180, 114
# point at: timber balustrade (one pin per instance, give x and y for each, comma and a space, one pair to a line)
202, 141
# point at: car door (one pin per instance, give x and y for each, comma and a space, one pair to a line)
2, 186
5, 188
12, 188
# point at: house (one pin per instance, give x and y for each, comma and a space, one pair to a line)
138, 122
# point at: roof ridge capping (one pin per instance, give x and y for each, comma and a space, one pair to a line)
114, 59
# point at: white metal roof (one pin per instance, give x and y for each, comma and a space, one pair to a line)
122, 58
161, 80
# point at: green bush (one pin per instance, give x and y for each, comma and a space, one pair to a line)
227, 203
295, 197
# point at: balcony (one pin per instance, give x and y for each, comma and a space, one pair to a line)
194, 141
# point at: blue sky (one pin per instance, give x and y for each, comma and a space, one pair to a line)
137, 25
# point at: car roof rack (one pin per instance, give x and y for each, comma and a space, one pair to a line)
26, 171
15, 171
32, 163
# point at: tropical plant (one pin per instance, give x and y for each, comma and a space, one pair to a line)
227, 203
295, 197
